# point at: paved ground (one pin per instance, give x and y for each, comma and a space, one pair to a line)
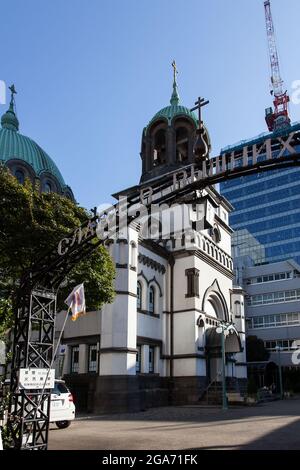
273, 425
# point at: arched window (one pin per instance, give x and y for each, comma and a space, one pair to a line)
151, 299
182, 144
47, 187
216, 235
159, 148
237, 308
133, 255
139, 295
19, 174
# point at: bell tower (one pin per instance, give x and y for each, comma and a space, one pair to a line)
171, 139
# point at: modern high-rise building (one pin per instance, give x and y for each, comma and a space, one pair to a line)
266, 216
266, 256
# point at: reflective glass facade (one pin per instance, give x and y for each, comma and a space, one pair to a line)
266, 216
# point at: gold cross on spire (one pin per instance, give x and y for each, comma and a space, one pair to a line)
175, 69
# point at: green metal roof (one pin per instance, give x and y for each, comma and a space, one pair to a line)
175, 109
169, 112
14, 145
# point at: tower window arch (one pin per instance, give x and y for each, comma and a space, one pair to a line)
182, 144
139, 295
19, 174
47, 187
159, 147
237, 308
151, 303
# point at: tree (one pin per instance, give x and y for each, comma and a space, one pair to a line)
32, 223
255, 350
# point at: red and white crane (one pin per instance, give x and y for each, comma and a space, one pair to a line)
279, 117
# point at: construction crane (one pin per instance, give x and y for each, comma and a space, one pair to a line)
279, 117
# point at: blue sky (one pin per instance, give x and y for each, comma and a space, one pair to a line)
91, 74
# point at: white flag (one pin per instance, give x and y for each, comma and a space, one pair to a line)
76, 302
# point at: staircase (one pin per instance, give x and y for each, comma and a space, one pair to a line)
213, 394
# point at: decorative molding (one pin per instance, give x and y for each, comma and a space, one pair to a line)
76, 340
184, 356
150, 341
149, 314
125, 292
215, 289
118, 350
155, 248
146, 261
153, 280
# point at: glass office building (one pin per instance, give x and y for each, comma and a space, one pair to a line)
266, 216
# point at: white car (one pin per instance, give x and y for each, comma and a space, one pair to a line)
62, 408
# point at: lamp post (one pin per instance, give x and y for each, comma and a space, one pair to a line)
280, 372
224, 329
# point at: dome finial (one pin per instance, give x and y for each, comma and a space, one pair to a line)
175, 96
9, 120
13, 92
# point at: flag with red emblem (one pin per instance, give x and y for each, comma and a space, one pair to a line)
76, 302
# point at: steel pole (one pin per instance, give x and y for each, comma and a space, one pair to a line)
280, 375
224, 398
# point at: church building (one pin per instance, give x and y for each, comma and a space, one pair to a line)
159, 342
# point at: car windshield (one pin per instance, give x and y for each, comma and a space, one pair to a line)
59, 387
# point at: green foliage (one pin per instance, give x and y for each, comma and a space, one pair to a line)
255, 350
32, 223
6, 317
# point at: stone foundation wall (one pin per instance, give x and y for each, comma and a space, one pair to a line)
117, 394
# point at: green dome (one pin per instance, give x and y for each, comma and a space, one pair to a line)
10, 121
169, 112
14, 145
174, 109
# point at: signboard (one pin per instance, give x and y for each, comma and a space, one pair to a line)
34, 379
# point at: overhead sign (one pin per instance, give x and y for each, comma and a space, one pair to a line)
34, 379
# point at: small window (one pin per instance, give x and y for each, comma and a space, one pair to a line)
192, 275
237, 308
133, 257
75, 359
19, 174
138, 360
151, 359
92, 365
151, 300
139, 296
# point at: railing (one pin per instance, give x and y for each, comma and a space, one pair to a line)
214, 383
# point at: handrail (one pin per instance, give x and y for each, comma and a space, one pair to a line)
213, 382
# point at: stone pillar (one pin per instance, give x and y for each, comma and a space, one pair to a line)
145, 359
83, 352
171, 146
148, 155
190, 148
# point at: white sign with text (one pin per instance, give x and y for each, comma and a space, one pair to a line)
34, 379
